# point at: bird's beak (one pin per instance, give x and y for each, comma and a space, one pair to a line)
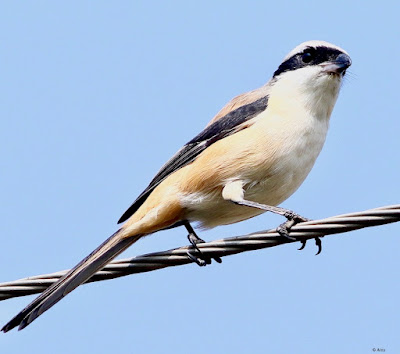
337, 66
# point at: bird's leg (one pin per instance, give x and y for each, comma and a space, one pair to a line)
284, 228
194, 240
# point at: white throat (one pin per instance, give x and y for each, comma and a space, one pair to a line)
315, 91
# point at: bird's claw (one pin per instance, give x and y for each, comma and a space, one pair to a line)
319, 245
303, 244
293, 219
199, 260
317, 242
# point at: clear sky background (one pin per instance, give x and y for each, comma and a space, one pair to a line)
96, 96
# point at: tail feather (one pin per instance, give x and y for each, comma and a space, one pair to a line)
108, 250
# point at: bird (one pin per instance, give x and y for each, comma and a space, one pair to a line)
251, 157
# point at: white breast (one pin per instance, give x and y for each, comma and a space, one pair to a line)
299, 143
296, 144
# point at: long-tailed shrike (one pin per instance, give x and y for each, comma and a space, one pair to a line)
251, 157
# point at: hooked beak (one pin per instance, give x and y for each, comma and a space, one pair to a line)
337, 66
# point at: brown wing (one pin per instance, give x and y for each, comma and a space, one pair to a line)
240, 100
243, 109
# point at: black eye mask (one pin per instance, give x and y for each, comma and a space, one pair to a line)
309, 56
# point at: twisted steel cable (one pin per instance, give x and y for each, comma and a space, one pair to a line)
219, 248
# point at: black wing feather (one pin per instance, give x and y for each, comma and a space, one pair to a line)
220, 129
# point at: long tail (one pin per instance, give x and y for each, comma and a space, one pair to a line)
108, 250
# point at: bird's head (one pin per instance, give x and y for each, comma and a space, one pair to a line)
313, 71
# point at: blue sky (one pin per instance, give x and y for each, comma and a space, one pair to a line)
96, 96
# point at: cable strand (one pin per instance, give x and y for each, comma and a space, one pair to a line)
218, 248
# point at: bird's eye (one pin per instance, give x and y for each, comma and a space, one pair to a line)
307, 56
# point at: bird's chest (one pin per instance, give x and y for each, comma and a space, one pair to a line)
295, 146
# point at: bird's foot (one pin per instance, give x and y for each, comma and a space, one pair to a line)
199, 258
293, 219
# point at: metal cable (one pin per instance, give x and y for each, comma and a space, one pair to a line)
219, 248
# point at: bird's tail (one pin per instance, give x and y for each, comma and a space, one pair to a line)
108, 250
